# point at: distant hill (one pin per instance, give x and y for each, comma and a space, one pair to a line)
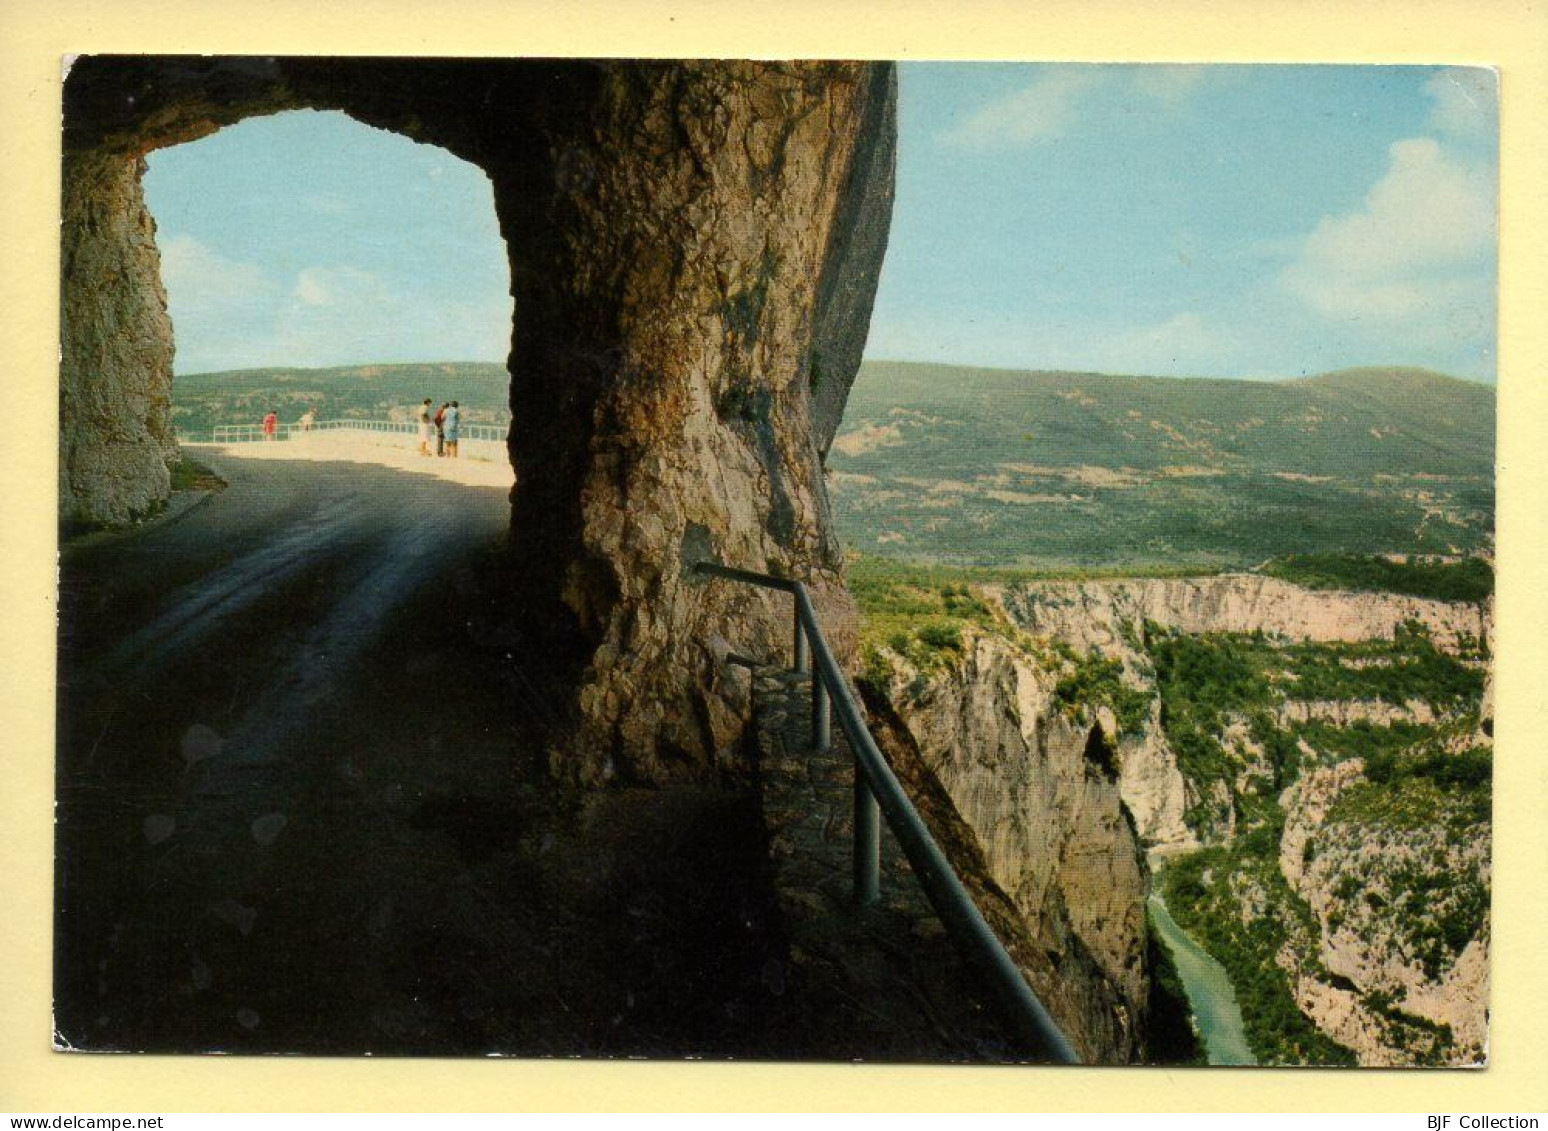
200, 401
993, 467
1002, 468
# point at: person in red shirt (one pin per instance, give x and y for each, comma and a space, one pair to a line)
269, 423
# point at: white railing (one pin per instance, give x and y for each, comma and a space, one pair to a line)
249, 433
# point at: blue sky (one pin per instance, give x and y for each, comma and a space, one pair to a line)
1176, 220
1193, 220
308, 239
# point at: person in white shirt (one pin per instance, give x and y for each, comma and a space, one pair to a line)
424, 427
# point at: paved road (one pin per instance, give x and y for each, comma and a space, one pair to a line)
301, 809
211, 681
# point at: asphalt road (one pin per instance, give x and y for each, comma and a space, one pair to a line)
211, 696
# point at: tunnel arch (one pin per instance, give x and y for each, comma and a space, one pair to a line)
694, 251
305, 239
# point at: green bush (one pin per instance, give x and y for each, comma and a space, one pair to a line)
940, 635
1097, 681
1469, 580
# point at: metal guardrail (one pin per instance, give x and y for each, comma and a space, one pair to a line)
877, 788
249, 433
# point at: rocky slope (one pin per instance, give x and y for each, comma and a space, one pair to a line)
1399, 956
1039, 792
1104, 618
1319, 760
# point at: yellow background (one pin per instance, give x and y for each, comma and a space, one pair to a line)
35, 34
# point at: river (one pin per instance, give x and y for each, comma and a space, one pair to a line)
1209, 991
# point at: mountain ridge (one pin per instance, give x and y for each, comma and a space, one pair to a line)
992, 468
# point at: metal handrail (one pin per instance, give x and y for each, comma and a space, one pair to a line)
877, 786
248, 433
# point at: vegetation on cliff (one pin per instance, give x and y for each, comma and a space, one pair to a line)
1470, 579
201, 401
1337, 788
1390, 873
1206, 892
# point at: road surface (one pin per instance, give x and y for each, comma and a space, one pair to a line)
300, 808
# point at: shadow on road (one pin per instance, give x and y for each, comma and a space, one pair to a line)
302, 808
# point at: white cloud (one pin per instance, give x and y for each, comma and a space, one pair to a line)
337, 315
1186, 342
1170, 84
1048, 107
1466, 103
338, 286
1419, 247
326, 205
1040, 111
198, 278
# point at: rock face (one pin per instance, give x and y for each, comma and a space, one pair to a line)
694, 248
115, 394
1386, 950
1040, 794
1088, 614
1101, 618
1366, 943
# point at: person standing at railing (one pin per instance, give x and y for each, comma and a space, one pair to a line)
308, 418
270, 422
440, 428
424, 427
451, 423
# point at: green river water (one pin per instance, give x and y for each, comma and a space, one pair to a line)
1209, 990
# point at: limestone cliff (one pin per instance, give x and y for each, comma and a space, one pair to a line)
1039, 792
1103, 618
1374, 806
1089, 615
115, 433
1396, 971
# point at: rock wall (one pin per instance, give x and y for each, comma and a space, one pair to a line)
1099, 617
1040, 794
673, 375
694, 248
1398, 978
1088, 614
115, 391
1355, 941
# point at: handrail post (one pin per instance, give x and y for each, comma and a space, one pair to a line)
822, 716
800, 640
867, 874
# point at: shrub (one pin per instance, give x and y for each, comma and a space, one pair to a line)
1468, 580
940, 635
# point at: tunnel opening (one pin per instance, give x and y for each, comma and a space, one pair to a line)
324, 270
683, 237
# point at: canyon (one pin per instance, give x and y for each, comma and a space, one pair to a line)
1076, 793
